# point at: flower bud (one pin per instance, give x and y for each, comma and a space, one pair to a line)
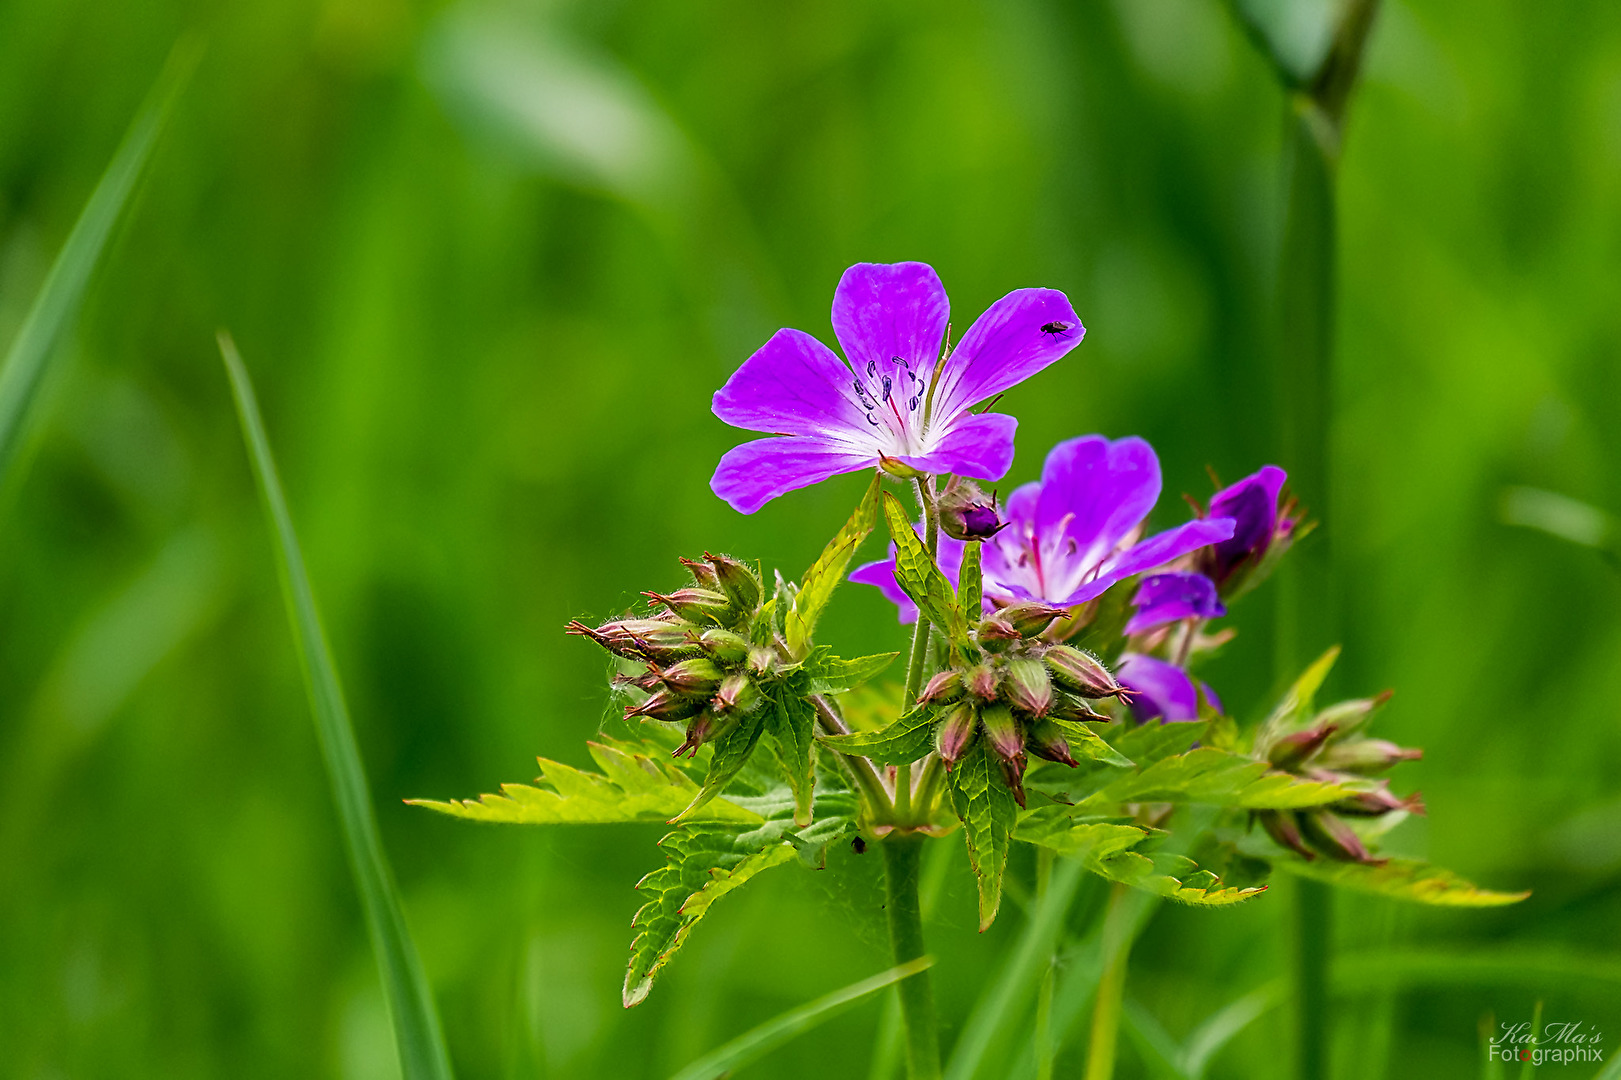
703, 575
1082, 673
738, 581
1045, 741
1333, 837
1294, 748
1379, 802
983, 681
1348, 716
942, 687
699, 731
698, 677
1028, 686
1031, 617
664, 704
697, 605
956, 733
641, 639
1002, 731
1066, 707
737, 694
725, 646
649, 680
1365, 755
996, 633
1283, 826
762, 660
966, 513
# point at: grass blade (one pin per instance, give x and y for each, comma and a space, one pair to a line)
410, 1005
754, 1044
53, 309
1225, 1023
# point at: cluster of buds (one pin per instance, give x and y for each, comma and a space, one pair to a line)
1330, 748
1017, 696
701, 668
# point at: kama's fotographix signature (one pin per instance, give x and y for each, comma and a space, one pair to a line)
1557, 1043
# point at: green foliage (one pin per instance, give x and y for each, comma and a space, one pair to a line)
970, 581
1219, 778
1109, 849
417, 1035
1295, 709
792, 723
983, 801
1401, 879
731, 750
634, 786
902, 741
828, 570
916, 573
831, 675
702, 864
1086, 744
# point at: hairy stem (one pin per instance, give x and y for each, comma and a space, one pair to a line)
903, 857
918, 661
858, 769
1111, 988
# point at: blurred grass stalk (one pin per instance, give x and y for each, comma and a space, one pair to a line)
28, 360
410, 1003
1318, 92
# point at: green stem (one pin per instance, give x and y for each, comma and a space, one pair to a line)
918, 661
1312, 931
903, 857
1111, 988
858, 769
1044, 996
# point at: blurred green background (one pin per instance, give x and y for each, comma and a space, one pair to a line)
487, 262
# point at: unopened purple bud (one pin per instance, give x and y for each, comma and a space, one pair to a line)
697, 605
738, 580
1002, 731
649, 680
762, 660
1030, 618
983, 681
1082, 673
966, 513
1068, 707
1284, 827
1348, 716
1045, 741
996, 633
698, 677
1332, 836
1295, 748
1365, 755
737, 694
955, 734
942, 687
703, 575
1379, 802
664, 704
699, 731
1028, 686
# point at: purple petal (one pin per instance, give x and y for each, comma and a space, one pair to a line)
1166, 598
1104, 489
1252, 503
1155, 551
978, 445
882, 311
1007, 345
794, 385
1210, 696
882, 573
751, 475
1164, 691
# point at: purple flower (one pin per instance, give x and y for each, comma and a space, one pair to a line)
1252, 503
1163, 691
1073, 533
836, 416
1165, 598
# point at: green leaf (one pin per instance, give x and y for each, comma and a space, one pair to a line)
1403, 879
985, 805
831, 675
971, 582
702, 864
792, 723
828, 570
905, 740
632, 787
410, 1004
27, 362
1109, 850
731, 753
1147, 743
761, 1040
1220, 778
921, 579
1086, 744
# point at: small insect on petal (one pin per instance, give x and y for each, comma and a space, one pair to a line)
1055, 329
